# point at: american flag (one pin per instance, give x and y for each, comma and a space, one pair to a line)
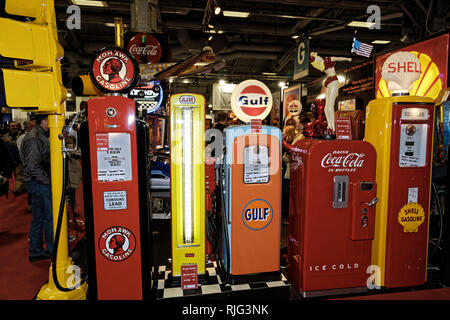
361, 49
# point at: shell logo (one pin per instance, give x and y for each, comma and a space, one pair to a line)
411, 216
257, 214
428, 85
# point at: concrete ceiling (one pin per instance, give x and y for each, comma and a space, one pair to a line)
261, 43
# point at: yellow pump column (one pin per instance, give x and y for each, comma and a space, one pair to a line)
64, 266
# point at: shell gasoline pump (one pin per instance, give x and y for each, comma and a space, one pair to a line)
115, 179
400, 128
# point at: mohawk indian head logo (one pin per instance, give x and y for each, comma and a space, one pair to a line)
114, 70
251, 100
257, 214
117, 243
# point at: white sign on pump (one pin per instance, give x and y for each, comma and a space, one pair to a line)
113, 156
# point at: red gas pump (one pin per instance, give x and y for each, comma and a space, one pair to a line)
115, 177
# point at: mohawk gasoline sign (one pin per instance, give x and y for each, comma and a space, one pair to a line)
114, 70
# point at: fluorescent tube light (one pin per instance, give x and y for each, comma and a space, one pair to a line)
91, 3
188, 212
381, 41
236, 14
361, 24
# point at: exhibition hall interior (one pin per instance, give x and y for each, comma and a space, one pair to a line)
193, 151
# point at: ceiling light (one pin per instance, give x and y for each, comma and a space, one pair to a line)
295, 37
361, 24
110, 24
269, 73
282, 84
222, 82
236, 14
217, 10
210, 25
210, 38
381, 41
90, 3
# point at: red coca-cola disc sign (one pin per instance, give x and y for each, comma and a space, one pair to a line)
145, 48
114, 70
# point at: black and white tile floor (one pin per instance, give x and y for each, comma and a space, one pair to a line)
214, 284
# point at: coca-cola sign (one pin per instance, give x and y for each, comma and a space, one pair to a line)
343, 160
145, 48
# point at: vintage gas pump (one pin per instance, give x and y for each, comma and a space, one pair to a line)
401, 129
187, 165
331, 216
251, 223
115, 176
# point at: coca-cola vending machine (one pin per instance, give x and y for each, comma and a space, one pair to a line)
331, 216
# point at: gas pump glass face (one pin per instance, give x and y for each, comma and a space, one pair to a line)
188, 218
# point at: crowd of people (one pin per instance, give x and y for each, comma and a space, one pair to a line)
26, 159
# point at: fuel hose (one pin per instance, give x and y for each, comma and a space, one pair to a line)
58, 233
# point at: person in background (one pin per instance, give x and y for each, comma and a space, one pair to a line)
10, 138
5, 175
35, 151
28, 126
5, 169
221, 121
3, 128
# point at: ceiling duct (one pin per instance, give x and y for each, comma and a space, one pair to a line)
145, 16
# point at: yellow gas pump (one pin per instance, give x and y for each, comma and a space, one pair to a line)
401, 130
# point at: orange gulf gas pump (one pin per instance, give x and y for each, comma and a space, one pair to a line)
401, 130
115, 177
251, 223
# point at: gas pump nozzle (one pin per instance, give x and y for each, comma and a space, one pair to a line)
68, 131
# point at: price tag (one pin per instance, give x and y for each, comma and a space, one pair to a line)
189, 276
343, 128
256, 125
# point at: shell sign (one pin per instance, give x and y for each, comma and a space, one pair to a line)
433, 57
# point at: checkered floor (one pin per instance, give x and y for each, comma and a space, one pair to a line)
214, 285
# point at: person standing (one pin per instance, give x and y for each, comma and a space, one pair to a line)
28, 126
35, 151
10, 138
